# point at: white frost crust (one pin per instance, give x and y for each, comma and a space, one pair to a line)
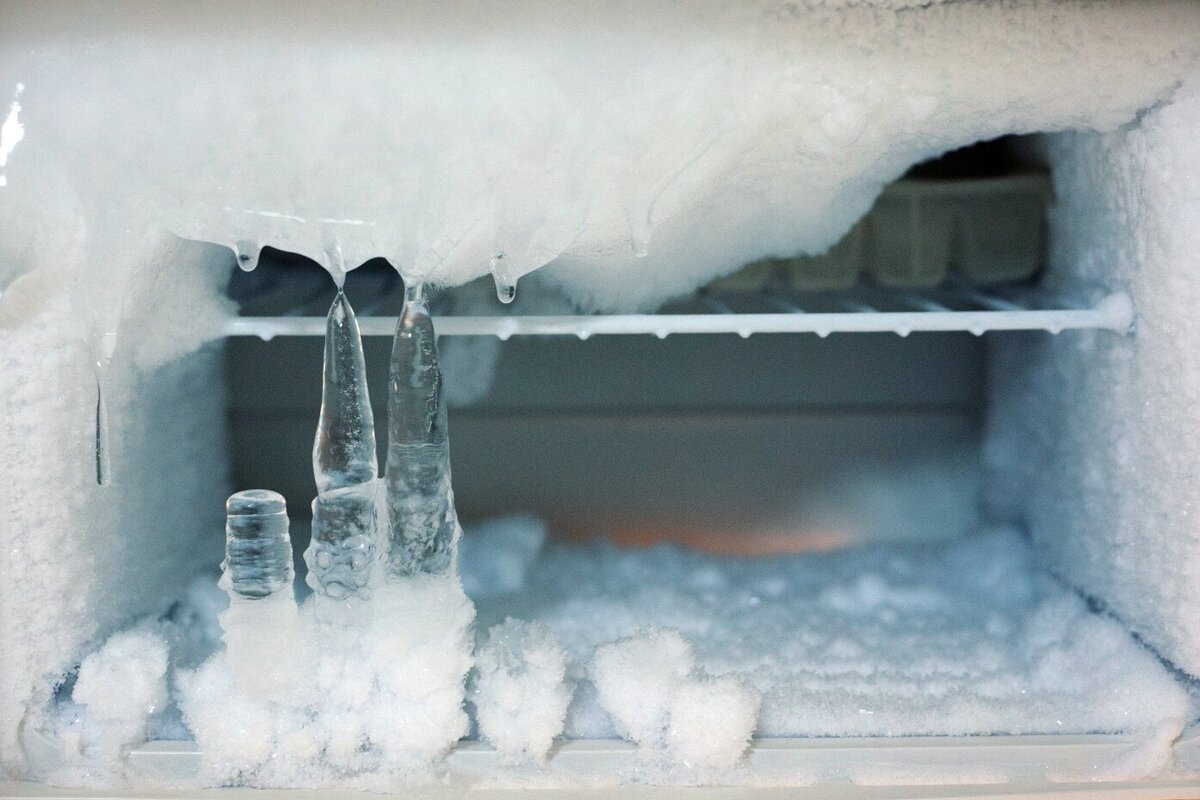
520, 694
1093, 440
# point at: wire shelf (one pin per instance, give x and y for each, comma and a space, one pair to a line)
859, 310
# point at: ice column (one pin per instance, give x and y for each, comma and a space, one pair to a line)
345, 466
423, 526
258, 547
261, 621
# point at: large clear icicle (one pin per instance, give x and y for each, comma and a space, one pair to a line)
344, 449
423, 526
344, 465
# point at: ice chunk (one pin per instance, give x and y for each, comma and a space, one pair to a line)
261, 622
423, 525
636, 679
342, 549
258, 547
345, 513
712, 720
344, 449
520, 694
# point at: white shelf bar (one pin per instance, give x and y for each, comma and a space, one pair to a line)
1112, 313
1050, 767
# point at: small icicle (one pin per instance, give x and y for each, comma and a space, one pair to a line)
506, 287
103, 461
423, 525
247, 254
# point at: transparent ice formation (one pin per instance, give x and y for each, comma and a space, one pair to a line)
423, 525
344, 523
258, 548
345, 516
344, 450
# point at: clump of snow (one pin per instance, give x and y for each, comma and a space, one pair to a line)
520, 695
648, 683
636, 679
712, 720
355, 704
117, 689
966, 637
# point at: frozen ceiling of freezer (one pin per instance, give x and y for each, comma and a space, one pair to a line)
628, 151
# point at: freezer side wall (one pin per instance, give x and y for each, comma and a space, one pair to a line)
77, 559
1093, 439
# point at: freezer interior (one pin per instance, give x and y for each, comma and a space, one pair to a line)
818, 381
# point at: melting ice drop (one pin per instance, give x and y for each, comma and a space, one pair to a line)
258, 548
423, 526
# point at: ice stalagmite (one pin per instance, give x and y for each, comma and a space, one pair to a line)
260, 623
423, 526
258, 548
344, 465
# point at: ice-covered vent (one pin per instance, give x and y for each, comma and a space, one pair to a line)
508, 137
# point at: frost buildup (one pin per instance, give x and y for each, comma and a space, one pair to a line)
345, 511
520, 691
423, 525
261, 622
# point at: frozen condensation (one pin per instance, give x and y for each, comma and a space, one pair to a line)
345, 513
649, 684
344, 448
258, 548
423, 525
711, 722
636, 678
966, 637
341, 554
711, 134
1090, 439
372, 705
118, 688
520, 694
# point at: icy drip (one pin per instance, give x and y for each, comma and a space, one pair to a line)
258, 548
423, 526
247, 254
103, 460
345, 466
506, 285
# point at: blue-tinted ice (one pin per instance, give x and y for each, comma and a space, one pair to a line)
258, 547
423, 526
344, 450
345, 466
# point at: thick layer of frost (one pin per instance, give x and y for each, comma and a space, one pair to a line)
1092, 438
78, 559
372, 698
696, 136
963, 638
